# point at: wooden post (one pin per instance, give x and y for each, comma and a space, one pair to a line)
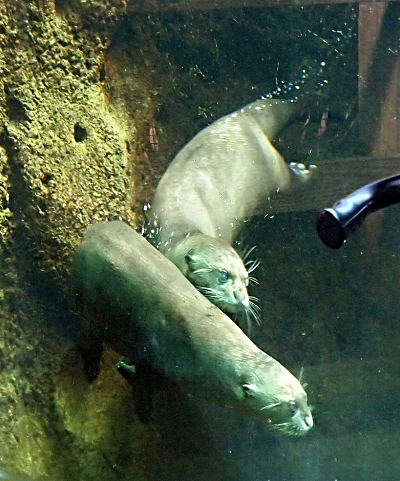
378, 76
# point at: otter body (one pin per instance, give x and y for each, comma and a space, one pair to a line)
221, 178
140, 304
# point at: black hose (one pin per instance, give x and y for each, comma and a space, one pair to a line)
335, 224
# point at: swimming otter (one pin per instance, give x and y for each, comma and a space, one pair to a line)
222, 177
139, 303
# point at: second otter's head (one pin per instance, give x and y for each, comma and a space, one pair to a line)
215, 269
268, 388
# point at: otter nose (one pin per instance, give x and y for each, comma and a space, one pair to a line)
308, 421
241, 297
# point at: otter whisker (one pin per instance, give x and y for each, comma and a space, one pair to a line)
253, 301
304, 384
211, 293
203, 270
248, 322
251, 313
280, 425
268, 406
246, 253
255, 311
252, 265
253, 280
254, 307
286, 429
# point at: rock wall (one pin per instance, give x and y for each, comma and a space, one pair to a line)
64, 164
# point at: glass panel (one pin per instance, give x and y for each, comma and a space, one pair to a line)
112, 365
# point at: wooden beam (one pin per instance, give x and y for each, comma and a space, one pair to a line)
193, 5
334, 179
379, 60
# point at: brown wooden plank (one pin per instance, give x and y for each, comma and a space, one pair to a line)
379, 32
193, 5
334, 179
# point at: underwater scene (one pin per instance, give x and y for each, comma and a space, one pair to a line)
199, 237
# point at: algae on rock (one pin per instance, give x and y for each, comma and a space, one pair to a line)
64, 165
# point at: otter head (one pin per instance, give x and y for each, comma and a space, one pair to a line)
278, 397
215, 269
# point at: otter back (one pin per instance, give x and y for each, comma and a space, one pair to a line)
143, 307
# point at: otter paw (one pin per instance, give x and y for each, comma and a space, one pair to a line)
128, 371
303, 172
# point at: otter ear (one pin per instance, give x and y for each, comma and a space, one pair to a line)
191, 259
249, 389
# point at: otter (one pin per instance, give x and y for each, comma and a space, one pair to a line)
221, 178
139, 303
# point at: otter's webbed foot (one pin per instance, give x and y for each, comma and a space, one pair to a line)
141, 379
128, 371
302, 171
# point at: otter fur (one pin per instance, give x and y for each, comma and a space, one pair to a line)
138, 302
221, 178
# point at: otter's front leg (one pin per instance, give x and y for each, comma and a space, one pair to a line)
143, 379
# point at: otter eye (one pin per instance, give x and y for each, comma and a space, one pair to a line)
292, 407
223, 276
